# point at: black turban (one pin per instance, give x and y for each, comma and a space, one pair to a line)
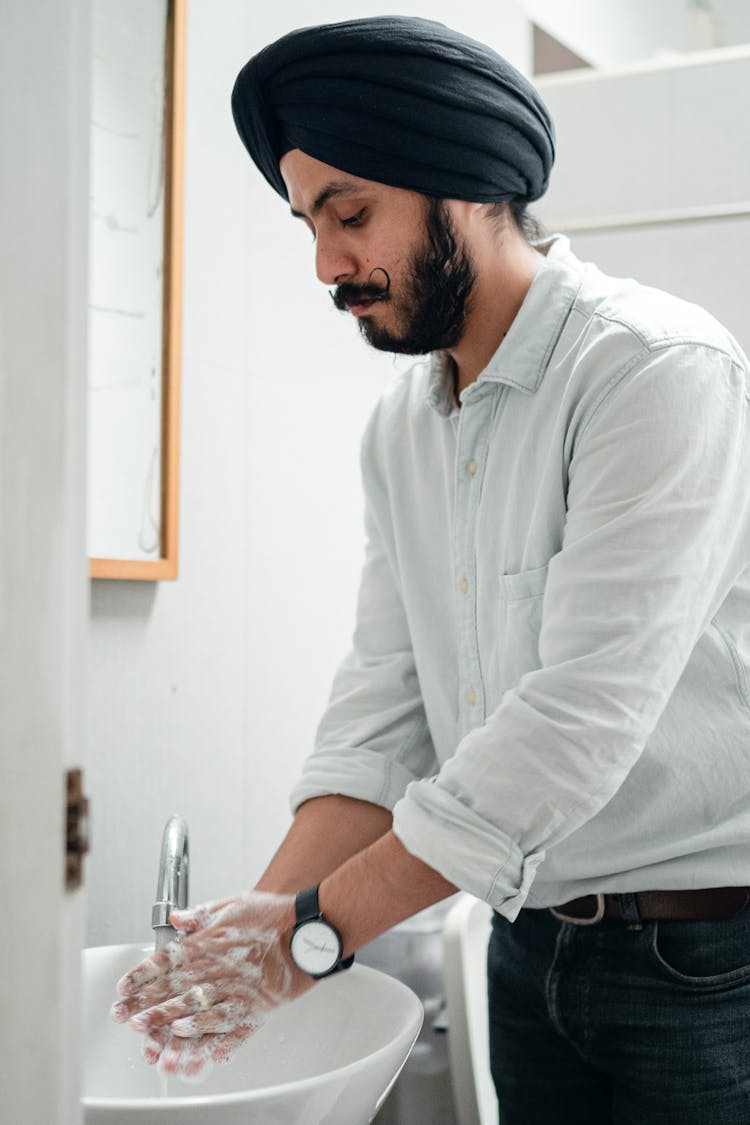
404, 101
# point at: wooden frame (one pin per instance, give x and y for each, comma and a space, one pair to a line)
165, 567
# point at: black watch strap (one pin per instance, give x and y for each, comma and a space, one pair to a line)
307, 908
307, 905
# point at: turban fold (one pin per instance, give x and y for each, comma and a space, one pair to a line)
404, 101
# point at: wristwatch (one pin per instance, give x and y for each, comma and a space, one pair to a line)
316, 945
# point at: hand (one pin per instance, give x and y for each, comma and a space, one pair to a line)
202, 995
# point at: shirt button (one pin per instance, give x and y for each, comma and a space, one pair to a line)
471, 698
463, 585
471, 467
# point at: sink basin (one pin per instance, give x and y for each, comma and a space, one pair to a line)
328, 1058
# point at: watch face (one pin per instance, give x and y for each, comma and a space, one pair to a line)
315, 947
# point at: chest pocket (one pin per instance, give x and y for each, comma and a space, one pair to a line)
519, 622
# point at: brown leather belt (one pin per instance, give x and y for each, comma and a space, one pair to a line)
712, 904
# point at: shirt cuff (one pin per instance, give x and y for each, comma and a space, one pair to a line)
363, 774
465, 849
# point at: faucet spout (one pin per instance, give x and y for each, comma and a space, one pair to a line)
172, 888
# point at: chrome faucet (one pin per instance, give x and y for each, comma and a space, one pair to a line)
172, 888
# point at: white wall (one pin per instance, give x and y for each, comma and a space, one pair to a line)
610, 32
665, 196
732, 19
205, 692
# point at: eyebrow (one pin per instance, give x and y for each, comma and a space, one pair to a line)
330, 191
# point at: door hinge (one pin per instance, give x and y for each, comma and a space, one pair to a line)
77, 829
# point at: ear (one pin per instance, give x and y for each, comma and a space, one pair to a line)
465, 210
465, 214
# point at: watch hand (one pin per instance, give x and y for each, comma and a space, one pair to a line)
320, 948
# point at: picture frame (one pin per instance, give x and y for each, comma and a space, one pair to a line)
119, 549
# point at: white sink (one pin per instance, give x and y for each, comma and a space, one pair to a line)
328, 1058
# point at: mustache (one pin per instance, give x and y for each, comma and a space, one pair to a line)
350, 294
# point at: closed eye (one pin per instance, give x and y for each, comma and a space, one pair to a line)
354, 220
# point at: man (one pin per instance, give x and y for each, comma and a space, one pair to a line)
546, 704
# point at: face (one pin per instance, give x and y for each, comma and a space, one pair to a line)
394, 257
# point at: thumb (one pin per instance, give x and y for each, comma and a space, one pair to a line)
188, 921
199, 917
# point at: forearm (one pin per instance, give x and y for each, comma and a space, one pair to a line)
377, 888
368, 880
325, 833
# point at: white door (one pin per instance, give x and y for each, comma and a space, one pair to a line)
43, 567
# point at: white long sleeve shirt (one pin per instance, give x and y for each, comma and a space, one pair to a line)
549, 675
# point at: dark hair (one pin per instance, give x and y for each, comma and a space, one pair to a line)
522, 219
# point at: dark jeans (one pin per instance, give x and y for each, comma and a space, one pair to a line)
605, 1025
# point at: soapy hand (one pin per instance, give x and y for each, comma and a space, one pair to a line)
203, 994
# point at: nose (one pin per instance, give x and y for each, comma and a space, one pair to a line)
333, 262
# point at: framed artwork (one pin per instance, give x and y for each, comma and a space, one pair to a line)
135, 286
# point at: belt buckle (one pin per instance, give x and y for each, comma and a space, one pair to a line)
592, 921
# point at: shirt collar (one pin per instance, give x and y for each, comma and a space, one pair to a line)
523, 356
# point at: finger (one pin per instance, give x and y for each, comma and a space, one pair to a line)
189, 921
224, 1017
199, 998
190, 1058
153, 1045
199, 917
164, 989
171, 957
120, 1011
195, 1061
134, 981
169, 1060
222, 1048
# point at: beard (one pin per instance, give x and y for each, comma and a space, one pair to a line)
437, 296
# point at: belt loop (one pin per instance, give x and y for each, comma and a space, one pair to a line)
628, 904
592, 920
